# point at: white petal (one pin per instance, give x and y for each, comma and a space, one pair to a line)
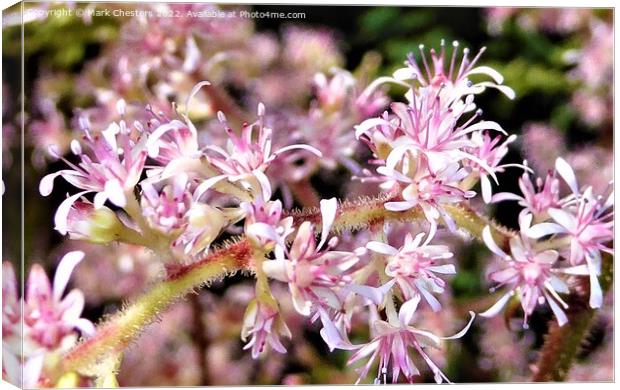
495, 75
329, 208
487, 193
193, 93
62, 213
205, 185
487, 237
32, 370
408, 309
400, 206
114, 191
84, 326
563, 218
430, 299
368, 124
443, 269
309, 148
374, 294
276, 269
567, 173
503, 196
264, 183
382, 248
596, 293
64, 270
557, 310
544, 229
46, 185
497, 307
464, 330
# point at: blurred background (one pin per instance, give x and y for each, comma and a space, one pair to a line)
558, 61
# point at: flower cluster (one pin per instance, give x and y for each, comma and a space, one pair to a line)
580, 227
432, 150
48, 325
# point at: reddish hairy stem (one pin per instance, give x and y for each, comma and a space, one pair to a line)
562, 343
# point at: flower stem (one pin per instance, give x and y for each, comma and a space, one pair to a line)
114, 335
562, 343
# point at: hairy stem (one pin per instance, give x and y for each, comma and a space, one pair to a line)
562, 343
114, 335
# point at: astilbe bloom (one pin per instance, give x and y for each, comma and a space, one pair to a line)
424, 150
531, 273
245, 159
262, 323
582, 222
392, 343
111, 169
313, 271
537, 198
49, 320
414, 266
587, 222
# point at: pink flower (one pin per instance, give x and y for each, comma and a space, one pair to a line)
48, 317
264, 223
392, 343
530, 273
536, 200
428, 190
167, 211
586, 219
414, 267
491, 152
263, 324
111, 169
448, 76
313, 272
245, 159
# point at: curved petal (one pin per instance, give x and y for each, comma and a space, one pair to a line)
62, 213
487, 237
382, 248
329, 208
63, 272
497, 307
544, 229
567, 173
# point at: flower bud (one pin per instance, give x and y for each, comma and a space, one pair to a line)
96, 225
